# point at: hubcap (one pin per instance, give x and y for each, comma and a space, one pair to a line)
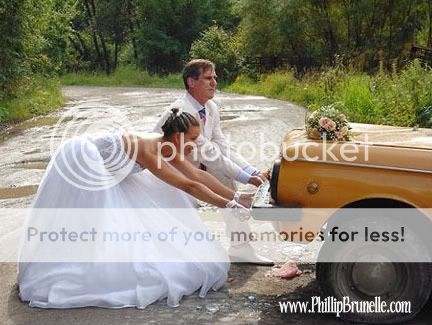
374, 279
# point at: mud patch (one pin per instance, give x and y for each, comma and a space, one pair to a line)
17, 192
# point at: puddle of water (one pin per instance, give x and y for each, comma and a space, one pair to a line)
32, 151
226, 117
50, 136
32, 165
17, 192
28, 124
241, 110
249, 109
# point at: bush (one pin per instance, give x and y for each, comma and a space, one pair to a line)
399, 95
355, 99
424, 117
4, 113
218, 46
36, 97
276, 83
401, 98
244, 85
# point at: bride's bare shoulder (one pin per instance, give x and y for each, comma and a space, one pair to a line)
143, 136
141, 146
145, 140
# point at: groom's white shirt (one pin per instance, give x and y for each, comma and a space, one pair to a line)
214, 151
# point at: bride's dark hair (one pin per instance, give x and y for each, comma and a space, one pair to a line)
178, 121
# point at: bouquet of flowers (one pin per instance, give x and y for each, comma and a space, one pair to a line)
328, 123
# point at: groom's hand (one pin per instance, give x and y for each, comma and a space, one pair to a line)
255, 180
266, 174
263, 174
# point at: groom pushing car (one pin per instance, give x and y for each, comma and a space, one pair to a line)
214, 153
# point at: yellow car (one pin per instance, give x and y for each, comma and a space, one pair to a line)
381, 167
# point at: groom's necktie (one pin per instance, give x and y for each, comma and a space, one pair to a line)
203, 115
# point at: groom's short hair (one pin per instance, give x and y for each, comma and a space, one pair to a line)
194, 68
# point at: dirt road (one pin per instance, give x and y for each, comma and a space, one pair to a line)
249, 298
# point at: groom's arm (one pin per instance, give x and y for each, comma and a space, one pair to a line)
210, 155
219, 138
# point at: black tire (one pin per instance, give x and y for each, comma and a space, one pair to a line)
391, 279
413, 284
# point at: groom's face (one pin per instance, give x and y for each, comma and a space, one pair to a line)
204, 87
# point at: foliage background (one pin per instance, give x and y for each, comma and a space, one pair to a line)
355, 53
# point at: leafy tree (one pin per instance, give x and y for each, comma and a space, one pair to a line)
100, 29
167, 28
217, 45
58, 33
22, 29
259, 27
312, 33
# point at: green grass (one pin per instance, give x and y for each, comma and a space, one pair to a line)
385, 98
123, 76
395, 98
38, 96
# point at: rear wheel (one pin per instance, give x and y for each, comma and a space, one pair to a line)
375, 271
365, 281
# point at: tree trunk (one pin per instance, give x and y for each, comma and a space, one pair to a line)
390, 38
429, 40
92, 18
116, 48
329, 31
77, 46
106, 55
370, 34
132, 29
348, 11
106, 59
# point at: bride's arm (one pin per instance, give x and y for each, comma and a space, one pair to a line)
203, 177
172, 176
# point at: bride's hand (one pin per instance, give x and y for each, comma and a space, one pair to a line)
244, 199
239, 210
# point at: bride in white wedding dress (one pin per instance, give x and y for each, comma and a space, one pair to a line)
117, 171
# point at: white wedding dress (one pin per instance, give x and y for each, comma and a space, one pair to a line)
85, 162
